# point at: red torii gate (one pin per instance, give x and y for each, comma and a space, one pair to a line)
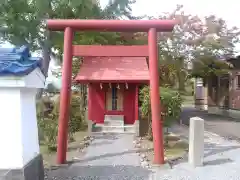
150, 26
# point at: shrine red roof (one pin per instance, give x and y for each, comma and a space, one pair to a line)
113, 69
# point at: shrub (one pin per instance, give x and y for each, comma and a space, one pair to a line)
48, 113
171, 102
77, 116
48, 126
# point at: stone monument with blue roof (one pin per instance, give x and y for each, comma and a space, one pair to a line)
20, 78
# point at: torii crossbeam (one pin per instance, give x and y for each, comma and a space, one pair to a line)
150, 26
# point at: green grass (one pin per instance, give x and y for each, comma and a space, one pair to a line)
174, 152
176, 147
49, 157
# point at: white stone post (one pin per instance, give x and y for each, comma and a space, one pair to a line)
18, 125
196, 141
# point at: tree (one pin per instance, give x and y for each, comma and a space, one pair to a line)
23, 22
210, 51
194, 39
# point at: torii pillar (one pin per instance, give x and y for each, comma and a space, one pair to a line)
150, 26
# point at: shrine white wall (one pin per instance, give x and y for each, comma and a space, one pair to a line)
29, 125
18, 127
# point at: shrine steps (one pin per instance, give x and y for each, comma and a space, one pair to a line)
102, 128
114, 126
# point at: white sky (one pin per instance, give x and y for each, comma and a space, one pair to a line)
228, 10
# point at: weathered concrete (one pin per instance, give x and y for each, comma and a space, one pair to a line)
221, 160
33, 170
113, 156
196, 141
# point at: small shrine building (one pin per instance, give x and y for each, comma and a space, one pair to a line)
113, 86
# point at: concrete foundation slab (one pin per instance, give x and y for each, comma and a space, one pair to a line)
34, 170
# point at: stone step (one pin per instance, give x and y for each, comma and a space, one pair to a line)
114, 120
130, 129
113, 128
120, 124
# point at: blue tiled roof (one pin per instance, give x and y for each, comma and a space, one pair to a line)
17, 61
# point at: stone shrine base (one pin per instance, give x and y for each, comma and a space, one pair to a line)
34, 170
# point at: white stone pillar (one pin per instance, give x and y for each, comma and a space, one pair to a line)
196, 141
18, 125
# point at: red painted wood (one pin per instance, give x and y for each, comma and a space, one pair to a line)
129, 104
136, 103
111, 25
98, 103
110, 51
98, 96
113, 112
113, 69
86, 81
157, 127
65, 97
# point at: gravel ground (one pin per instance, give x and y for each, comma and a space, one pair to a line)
112, 157
221, 161
109, 157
